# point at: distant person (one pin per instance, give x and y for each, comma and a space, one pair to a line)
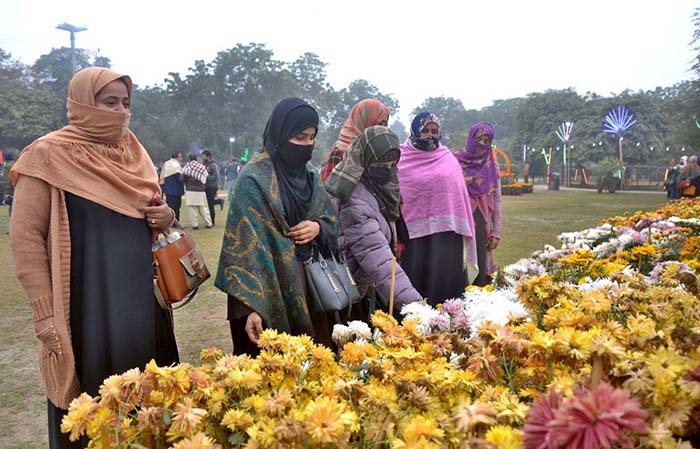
171, 184
277, 214
526, 172
231, 170
366, 189
364, 114
211, 187
81, 243
483, 180
9, 189
440, 255
194, 176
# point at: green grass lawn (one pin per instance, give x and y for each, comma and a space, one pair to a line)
529, 221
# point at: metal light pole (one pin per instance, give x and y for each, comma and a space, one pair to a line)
231, 140
72, 29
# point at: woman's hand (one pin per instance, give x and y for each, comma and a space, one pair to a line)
305, 231
254, 327
158, 217
493, 243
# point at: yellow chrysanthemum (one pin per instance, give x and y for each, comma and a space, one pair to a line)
422, 428
509, 409
198, 441
210, 355
666, 361
236, 419
79, 413
329, 422
186, 420
504, 437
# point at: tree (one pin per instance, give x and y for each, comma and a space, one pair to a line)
453, 118
26, 114
340, 104
400, 130
696, 40
158, 125
54, 69
11, 70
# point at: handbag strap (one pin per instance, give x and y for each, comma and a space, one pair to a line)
372, 293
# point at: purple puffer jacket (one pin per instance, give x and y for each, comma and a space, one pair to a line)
365, 238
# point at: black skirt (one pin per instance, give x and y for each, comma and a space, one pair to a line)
116, 323
435, 266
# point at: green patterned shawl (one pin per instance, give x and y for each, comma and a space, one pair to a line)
257, 264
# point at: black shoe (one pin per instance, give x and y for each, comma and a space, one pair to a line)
195, 228
209, 227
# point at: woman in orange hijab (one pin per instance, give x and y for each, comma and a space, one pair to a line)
364, 114
81, 241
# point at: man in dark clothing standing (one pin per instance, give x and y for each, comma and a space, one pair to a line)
212, 184
9, 189
170, 180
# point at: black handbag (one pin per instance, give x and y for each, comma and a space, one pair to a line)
331, 286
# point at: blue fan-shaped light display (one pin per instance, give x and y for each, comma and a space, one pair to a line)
618, 120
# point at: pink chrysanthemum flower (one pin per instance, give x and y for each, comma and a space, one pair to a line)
536, 430
597, 419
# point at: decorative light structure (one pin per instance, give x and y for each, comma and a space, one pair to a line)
564, 134
619, 120
548, 161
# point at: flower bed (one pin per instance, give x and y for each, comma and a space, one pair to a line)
594, 344
516, 188
511, 189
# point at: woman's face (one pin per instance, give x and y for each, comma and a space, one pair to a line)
113, 97
306, 137
430, 130
483, 137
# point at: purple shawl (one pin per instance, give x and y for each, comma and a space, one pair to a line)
435, 198
479, 167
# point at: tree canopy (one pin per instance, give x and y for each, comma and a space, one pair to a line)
233, 94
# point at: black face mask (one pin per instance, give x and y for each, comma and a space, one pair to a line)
382, 175
426, 143
295, 155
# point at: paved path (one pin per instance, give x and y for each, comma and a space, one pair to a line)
578, 189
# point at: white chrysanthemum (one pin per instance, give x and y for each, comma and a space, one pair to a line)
496, 306
360, 329
598, 284
421, 313
341, 334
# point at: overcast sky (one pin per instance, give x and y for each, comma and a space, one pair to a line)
475, 51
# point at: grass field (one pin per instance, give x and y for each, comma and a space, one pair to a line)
529, 222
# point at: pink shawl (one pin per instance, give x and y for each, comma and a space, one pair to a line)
435, 197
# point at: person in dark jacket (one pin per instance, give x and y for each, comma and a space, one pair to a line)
366, 189
171, 184
212, 184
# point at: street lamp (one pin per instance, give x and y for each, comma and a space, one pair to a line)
72, 29
231, 140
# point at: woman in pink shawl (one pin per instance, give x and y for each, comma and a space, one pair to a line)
483, 180
440, 254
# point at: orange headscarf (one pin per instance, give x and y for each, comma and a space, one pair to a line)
364, 114
96, 157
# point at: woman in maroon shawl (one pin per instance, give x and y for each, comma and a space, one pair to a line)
482, 176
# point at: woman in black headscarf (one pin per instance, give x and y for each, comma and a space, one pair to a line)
278, 210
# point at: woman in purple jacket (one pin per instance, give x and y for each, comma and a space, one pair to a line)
366, 190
